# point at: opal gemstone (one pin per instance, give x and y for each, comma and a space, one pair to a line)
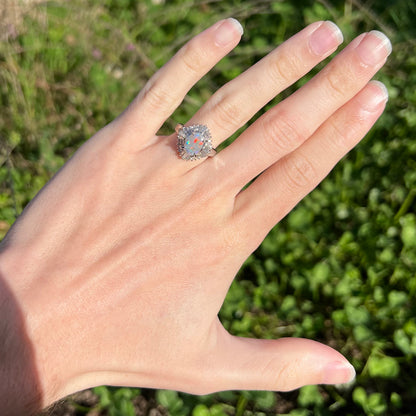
194, 142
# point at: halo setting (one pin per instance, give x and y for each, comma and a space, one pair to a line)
194, 142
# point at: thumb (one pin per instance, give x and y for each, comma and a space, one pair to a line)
283, 364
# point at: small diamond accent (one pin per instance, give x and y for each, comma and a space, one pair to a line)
194, 142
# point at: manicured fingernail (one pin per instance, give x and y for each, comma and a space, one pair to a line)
227, 31
338, 372
379, 95
325, 38
374, 48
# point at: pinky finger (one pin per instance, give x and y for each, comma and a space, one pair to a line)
284, 184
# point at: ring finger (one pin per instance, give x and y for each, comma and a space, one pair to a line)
235, 103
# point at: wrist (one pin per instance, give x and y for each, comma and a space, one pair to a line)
29, 371
20, 389
49, 331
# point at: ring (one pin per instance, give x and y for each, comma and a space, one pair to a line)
194, 142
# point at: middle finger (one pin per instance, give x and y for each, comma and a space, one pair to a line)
235, 103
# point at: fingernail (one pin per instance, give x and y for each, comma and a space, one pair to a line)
325, 38
379, 95
374, 48
338, 372
227, 31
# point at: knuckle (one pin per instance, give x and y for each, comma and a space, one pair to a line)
280, 133
300, 173
227, 113
157, 96
343, 134
289, 375
336, 83
283, 374
283, 67
192, 56
341, 78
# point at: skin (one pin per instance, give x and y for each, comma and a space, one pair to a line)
116, 271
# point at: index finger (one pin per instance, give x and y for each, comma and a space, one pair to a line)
165, 91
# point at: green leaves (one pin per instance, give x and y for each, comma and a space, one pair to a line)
214, 410
408, 233
383, 366
172, 402
372, 404
117, 402
309, 396
405, 342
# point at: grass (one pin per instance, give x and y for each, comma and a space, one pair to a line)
341, 268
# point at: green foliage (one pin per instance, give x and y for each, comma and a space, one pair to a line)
340, 268
385, 367
117, 402
310, 396
372, 404
214, 410
172, 402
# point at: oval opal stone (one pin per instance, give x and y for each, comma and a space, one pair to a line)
193, 143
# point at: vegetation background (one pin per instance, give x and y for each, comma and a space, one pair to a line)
341, 268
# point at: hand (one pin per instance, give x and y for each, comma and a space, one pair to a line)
121, 264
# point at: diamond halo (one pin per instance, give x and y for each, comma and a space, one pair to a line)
194, 142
